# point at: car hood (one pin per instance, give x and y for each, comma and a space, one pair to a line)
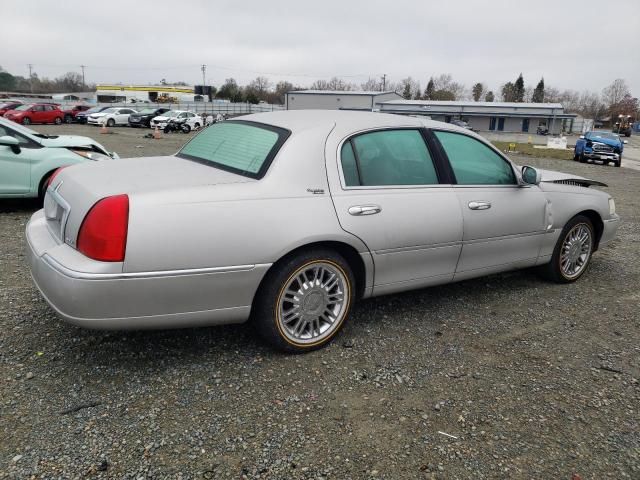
607, 141
552, 176
96, 115
162, 118
67, 141
70, 141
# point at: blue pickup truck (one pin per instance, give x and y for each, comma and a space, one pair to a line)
597, 145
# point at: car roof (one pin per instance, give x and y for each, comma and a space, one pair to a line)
344, 122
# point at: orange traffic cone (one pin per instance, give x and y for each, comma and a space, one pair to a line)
104, 128
156, 134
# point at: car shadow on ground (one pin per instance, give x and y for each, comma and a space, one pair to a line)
138, 350
19, 205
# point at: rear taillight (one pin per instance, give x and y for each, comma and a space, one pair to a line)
54, 174
103, 233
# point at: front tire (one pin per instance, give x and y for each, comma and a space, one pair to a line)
111, 122
26, 121
68, 119
57, 120
304, 300
573, 251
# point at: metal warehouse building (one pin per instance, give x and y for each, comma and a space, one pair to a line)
337, 100
489, 116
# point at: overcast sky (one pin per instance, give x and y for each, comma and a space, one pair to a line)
573, 44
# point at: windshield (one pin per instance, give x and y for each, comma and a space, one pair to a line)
94, 110
5, 105
236, 146
171, 113
109, 110
147, 111
22, 108
609, 135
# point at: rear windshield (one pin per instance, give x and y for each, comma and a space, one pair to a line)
241, 147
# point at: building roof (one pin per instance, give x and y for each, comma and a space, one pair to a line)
442, 103
342, 92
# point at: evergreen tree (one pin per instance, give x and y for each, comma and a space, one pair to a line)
489, 97
477, 91
429, 91
518, 90
538, 93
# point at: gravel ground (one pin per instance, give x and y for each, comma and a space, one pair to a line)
501, 377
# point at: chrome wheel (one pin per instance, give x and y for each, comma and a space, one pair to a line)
576, 250
313, 302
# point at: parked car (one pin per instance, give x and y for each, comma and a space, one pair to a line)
29, 113
461, 124
70, 112
111, 116
81, 117
291, 216
28, 159
143, 118
191, 120
599, 145
10, 105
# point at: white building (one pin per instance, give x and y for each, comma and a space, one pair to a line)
146, 93
337, 100
489, 116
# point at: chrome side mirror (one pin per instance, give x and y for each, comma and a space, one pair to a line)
625, 141
531, 176
582, 136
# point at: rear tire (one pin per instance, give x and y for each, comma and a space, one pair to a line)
185, 128
304, 300
68, 119
572, 253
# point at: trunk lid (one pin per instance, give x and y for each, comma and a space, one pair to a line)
76, 189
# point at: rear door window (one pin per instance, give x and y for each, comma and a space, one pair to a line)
388, 157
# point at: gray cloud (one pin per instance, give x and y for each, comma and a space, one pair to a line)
574, 44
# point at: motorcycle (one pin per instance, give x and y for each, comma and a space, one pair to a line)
177, 126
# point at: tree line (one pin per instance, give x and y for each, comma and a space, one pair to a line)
615, 99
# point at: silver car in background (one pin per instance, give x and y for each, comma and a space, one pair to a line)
289, 217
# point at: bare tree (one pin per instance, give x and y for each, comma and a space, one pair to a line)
260, 84
614, 93
372, 85
334, 84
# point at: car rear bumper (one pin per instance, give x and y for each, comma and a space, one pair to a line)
92, 294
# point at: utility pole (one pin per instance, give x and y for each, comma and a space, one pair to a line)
204, 70
30, 76
83, 84
384, 81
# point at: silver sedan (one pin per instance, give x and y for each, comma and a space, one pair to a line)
289, 217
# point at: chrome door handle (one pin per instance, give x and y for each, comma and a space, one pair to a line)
479, 205
364, 209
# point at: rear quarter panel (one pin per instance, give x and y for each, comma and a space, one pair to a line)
239, 223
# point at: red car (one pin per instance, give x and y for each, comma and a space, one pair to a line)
35, 113
10, 105
70, 112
